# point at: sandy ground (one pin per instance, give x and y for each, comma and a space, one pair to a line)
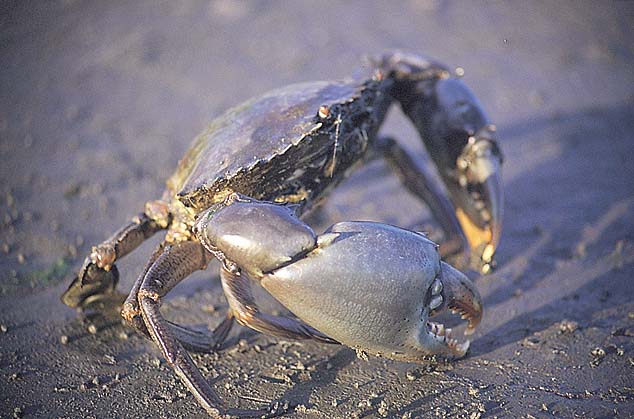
98, 100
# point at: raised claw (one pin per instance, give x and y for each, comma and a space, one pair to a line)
461, 142
463, 145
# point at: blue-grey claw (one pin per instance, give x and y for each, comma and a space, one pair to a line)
375, 288
371, 286
463, 145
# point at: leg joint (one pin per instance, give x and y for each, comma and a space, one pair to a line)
152, 295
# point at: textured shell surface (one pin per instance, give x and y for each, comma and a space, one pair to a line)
252, 134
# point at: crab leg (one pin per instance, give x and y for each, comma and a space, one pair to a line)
415, 178
192, 340
99, 275
237, 289
174, 264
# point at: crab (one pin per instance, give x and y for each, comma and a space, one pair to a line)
238, 195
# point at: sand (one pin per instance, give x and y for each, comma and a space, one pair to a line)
100, 99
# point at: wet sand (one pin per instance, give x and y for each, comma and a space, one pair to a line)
100, 99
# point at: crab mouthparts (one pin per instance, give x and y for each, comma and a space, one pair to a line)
455, 292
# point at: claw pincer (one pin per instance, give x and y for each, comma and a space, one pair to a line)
462, 143
471, 167
370, 286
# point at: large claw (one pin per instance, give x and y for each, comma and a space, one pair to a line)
460, 296
374, 288
460, 140
368, 285
462, 144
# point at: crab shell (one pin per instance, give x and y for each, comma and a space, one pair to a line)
279, 148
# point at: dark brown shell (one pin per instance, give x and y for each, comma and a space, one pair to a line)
278, 145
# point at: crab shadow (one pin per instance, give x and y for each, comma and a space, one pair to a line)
300, 393
578, 305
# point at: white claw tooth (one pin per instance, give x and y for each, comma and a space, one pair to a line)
436, 287
435, 302
464, 316
463, 348
448, 332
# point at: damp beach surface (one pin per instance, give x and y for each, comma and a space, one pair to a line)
99, 100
